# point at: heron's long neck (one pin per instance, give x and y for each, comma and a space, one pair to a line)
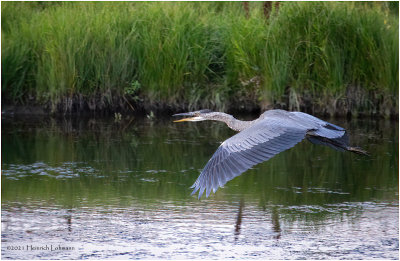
233, 123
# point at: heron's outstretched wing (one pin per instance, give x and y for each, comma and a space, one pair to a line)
321, 128
254, 145
323, 133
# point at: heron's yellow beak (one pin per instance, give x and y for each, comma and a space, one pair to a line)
196, 118
186, 119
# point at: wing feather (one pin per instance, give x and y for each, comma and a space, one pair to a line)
242, 151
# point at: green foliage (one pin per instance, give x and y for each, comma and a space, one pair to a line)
133, 89
201, 54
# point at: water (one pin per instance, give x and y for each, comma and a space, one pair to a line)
99, 188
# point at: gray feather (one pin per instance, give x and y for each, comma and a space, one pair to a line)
252, 146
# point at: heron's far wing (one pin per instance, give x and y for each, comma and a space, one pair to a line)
254, 145
321, 127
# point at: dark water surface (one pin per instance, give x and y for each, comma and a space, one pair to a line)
97, 188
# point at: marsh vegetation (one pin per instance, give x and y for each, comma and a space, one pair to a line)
320, 57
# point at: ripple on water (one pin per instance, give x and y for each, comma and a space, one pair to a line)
204, 230
66, 170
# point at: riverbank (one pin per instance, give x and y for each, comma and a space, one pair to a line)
130, 57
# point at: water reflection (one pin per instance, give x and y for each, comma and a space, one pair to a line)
68, 217
239, 219
275, 222
62, 178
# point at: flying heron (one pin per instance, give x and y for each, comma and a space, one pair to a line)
261, 139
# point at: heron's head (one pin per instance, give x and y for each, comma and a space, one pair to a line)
200, 115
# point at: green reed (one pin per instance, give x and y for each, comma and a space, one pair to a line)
200, 54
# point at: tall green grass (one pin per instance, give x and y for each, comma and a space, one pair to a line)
204, 54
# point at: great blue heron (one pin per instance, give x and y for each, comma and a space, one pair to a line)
261, 139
